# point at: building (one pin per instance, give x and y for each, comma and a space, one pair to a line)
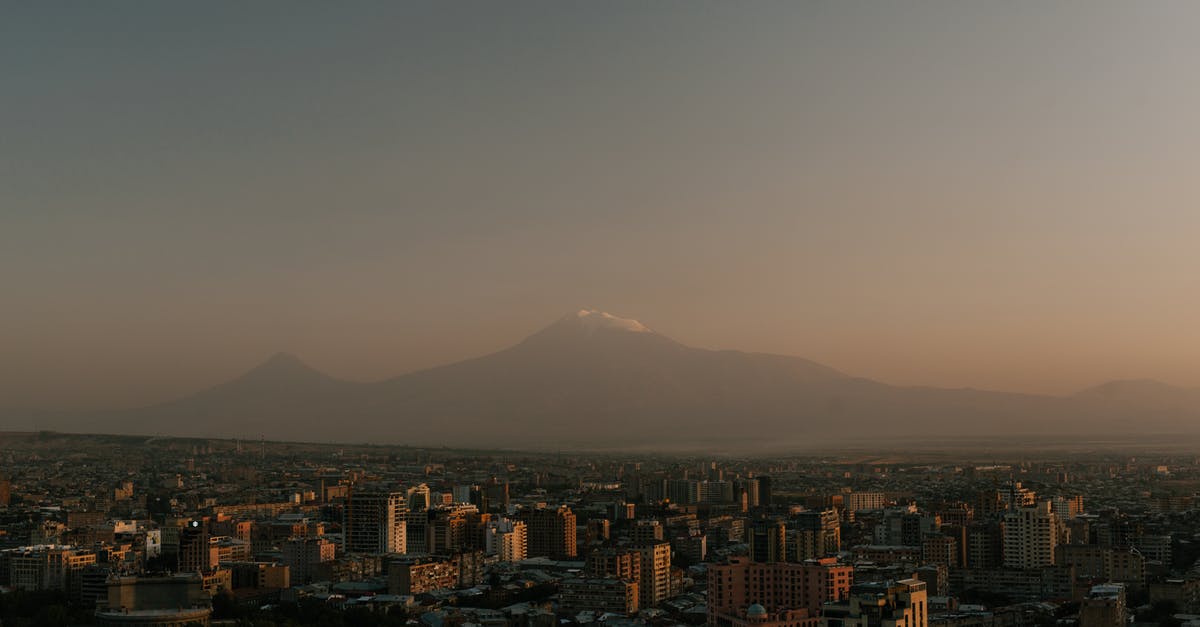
1052, 582
819, 533
940, 549
985, 545
1184, 593
196, 553
174, 601
863, 501
615, 564
1103, 563
44, 567
416, 531
374, 521
1030, 537
1104, 606
880, 604
418, 575
421, 575
551, 532
768, 540
692, 547
617, 596
419, 498
654, 585
507, 539
449, 527
757, 616
1067, 507
303, 555
734, 586
259, 575
648, 530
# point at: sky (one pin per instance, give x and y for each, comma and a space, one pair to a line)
964, 194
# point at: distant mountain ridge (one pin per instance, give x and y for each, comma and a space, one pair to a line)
593, 379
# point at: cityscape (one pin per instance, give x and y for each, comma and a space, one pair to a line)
599, 313
118, 530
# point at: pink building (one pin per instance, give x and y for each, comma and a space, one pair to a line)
743, 593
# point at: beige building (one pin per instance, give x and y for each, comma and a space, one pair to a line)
1030, 537
507, 539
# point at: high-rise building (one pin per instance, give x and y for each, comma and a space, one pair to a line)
764, 492
448, 527
374, 521
750, 487
551, 532
419, 498
495, 494
985, 544
1030, 536
683, 491
819, 530
768, 540
416, 531
507, 540
196, 553
654, 586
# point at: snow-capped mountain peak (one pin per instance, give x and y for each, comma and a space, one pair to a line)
594, 319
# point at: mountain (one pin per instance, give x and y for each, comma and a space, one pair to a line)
592, 379
1145, 396
262, 401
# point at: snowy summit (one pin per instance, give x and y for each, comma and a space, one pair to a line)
593, 319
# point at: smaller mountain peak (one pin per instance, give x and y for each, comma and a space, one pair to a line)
282, 358
283, 366
595, 319
282, 362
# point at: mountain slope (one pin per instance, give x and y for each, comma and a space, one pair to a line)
593, 379
279, 396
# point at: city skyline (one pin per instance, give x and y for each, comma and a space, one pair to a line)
987, 196
571, 313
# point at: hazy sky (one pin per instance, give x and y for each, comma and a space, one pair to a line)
1000, 195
